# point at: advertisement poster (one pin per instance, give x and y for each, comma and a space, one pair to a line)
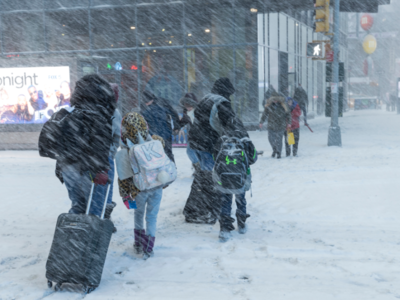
32, 95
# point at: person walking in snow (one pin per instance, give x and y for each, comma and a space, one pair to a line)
84, 139
116, 137
206, 141
300, 96
279, 120
148, 202
189, 103
158, 114
295, 126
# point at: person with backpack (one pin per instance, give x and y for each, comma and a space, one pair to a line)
79, 138
161, 118
189, 103
140, 190
232, 176
204, 202
279, 120
300, 96
295, 126
116, 137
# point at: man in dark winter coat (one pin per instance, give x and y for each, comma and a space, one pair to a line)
300, 96
205, 140
279, 120
202, 137
158, 114
85, 140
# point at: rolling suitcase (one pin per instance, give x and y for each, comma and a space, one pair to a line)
204, 203
79, 248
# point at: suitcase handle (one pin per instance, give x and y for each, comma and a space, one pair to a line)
105, 200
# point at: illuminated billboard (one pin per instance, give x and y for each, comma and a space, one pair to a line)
32, 95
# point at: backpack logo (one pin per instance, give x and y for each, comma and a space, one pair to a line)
228, 161
149, 152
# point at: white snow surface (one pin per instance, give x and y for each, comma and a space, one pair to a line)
324, 225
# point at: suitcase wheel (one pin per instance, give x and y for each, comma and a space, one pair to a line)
88, 289
49, 284
57, 288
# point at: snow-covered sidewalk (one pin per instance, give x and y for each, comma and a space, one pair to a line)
324, 225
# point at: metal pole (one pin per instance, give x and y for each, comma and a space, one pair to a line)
334, 136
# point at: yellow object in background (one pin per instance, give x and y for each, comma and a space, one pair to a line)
290, 138
369, 44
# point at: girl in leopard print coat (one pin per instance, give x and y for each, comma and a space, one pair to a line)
132, 125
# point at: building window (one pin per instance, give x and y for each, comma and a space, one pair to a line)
8, 5
114, 28
247, 18
112, 2
54, 4
273, 30
160, 25
23, 32
163, 74
209, 23
291, 35
67, 30
282, 32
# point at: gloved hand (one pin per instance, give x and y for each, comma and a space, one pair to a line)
101, 178
289, 127
129, 202
305, 123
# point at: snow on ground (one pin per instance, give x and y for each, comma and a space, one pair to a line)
324, 225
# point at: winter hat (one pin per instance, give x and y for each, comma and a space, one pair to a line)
189, 100
115, 88
148, 96
224, 87
91, 91
132, 124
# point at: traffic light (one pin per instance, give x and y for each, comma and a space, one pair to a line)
321, 15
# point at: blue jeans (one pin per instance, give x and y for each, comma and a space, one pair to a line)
240, 204
79, 186
207, 164
192, 155
102, 190
153, 200
206, 160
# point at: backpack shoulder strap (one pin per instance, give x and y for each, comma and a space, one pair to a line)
214, 118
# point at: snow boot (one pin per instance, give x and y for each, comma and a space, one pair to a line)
138, 244
273, 154
226, 223
278, 156
148, 245
241, 220
107, 214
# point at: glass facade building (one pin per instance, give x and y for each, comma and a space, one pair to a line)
169, 47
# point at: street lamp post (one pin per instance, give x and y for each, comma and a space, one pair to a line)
334, 136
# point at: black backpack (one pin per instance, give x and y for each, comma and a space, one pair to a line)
231, 173
50, 138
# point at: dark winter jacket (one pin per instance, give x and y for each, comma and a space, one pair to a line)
300, 96
296, 113
277, 113
201, 135
86, 133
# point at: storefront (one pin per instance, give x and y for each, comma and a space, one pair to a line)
169, 47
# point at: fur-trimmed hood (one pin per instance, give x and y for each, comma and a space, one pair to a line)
278, 99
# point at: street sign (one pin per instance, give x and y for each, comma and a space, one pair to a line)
315, 50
